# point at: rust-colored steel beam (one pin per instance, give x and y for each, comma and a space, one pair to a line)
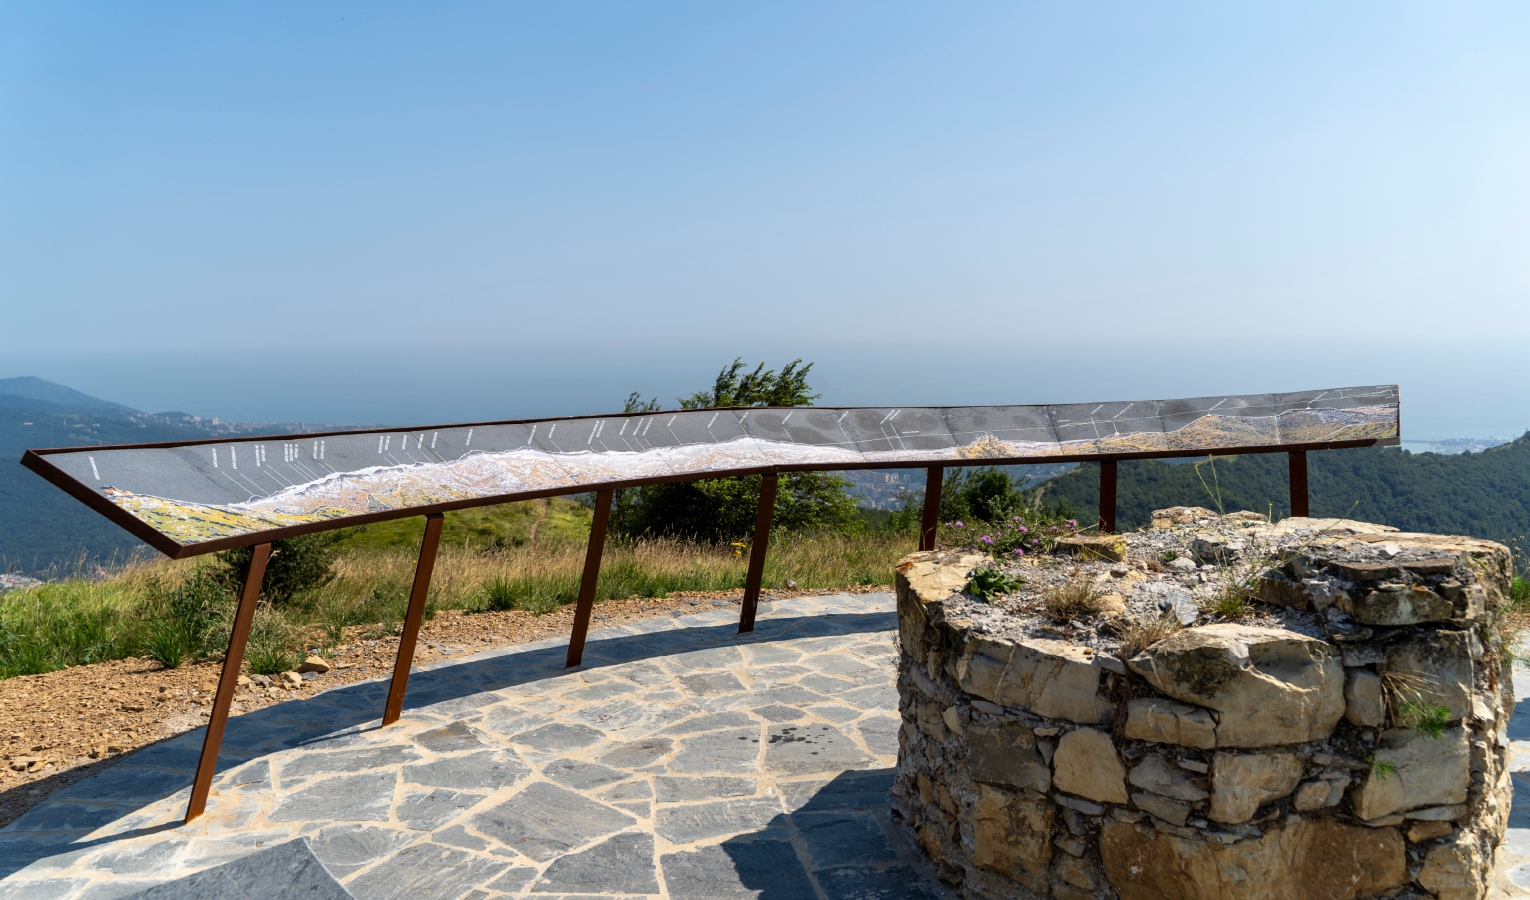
757, 547
1108, 497
412, 619
228, 682
592, 554
933, 479
1299, 483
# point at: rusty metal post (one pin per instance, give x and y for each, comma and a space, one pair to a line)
417, 597
933, 479
592, 554
757, 547
1299, 483
1108, 497
228, 682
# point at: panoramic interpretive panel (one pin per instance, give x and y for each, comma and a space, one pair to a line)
200, 496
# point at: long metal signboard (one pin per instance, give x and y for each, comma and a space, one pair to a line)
196, 497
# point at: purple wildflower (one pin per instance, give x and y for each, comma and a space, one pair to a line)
986, 539
1019, 552
1073, 523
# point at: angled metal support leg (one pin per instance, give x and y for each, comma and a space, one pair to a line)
228, 682
933, 479
1299, 483
757, 547
412, 619
586, 604
1108, 497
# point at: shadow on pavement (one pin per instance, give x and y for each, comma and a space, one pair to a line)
56, 827
839, 840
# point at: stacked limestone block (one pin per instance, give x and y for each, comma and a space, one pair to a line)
1266, 756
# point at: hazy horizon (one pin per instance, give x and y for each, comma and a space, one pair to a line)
354, 212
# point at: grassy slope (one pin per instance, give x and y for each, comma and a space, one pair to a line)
1483, 494
503, 526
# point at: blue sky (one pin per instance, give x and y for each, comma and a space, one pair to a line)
371, 212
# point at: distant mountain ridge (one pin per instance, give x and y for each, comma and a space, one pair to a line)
30, 392
1484, 494
41, 527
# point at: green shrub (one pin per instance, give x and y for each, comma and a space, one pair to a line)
167, 644
270, 650
1429, 718
986, 584
296, 565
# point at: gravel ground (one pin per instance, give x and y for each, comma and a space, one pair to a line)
61, 727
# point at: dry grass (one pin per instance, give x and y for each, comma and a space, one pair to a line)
84, 621
1137, 636
1072, 600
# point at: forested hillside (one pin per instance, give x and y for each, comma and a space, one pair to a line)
1483, 494
40, 525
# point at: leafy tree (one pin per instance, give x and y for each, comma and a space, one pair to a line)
762, 387
723, 509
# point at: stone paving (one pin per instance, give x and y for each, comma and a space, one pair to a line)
682, 761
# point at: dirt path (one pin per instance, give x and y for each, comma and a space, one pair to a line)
543, 506
60, 727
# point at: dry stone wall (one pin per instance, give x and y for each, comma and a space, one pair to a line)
1313, 708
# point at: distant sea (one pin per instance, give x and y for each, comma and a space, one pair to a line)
1451, 446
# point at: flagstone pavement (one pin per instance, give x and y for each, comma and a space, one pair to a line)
683, 760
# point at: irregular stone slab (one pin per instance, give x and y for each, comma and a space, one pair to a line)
843, 838
1363, 703
581, 776
286, 870
1396, 604
865, 883
737, 870
620, 865
1456, 870
669, 789
156, 858
637, 754
719, 752
480, 771
343, 849
1093, 546
1049, 678
1171, 811
1434, 668
1270, 686
1156, 775
545, 821
347, 761
880, 734
713, 722
699, 821
559, 737
711, 684
1085, 763
431, 810
1242, 782
449, 738
1170, 722
1424, 771
425, 872
1011, 831
1006, 754
804, 749
342, 798
848, 790
1354, 861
